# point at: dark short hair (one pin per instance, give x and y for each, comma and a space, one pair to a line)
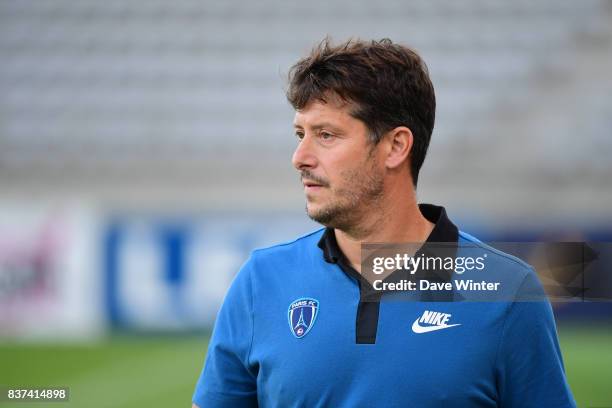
386, 84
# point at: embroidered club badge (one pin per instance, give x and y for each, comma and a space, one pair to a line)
302, 315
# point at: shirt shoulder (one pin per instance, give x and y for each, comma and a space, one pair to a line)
518, 279
496, 255
289, 257
307, 242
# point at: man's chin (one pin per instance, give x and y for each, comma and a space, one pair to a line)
324, 216
316, 214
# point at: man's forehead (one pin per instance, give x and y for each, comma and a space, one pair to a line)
317, 111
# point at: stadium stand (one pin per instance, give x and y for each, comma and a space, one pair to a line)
152, 100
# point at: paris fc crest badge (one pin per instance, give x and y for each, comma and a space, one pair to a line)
302, 315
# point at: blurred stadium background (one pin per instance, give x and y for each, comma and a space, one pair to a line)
145, 150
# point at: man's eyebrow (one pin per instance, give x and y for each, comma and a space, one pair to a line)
318, 126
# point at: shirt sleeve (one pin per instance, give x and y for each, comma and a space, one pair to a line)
227, 379
530, 371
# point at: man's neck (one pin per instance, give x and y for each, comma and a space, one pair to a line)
397, 223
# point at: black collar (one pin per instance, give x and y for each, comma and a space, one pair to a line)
444, 231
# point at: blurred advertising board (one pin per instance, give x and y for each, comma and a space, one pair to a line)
50, 284
165, 273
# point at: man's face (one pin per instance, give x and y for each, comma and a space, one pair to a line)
338, 165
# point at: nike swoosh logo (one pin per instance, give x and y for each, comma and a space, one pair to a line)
417, 328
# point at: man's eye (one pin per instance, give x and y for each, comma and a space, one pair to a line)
299, 135
326, 136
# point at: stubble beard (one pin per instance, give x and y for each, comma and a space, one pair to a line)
349, 205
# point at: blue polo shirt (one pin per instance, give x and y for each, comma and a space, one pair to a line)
297, 329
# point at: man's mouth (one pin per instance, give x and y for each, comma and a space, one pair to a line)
312, 182
308, 183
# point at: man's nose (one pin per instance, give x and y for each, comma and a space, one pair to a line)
304, 156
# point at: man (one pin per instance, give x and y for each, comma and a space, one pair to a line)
299, 327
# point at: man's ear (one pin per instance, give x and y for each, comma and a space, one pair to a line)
399, 142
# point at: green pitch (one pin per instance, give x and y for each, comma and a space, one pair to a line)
137, 371
119, 373
587, 353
